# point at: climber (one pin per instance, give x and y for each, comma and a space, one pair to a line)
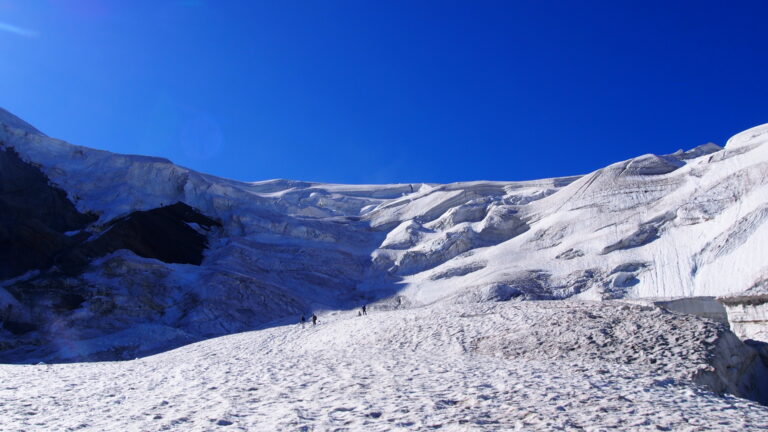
364, 312
303, 320
314, 319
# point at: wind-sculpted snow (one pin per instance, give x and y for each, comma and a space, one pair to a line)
533, 366
684, 224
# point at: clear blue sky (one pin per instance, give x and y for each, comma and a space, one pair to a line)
366, 91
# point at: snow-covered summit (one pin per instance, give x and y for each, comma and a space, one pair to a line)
686, 224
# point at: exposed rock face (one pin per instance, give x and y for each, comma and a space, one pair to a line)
39, 220
35, 218
121, 293
41, 230
172, 234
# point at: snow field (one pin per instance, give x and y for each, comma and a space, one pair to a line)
490, 367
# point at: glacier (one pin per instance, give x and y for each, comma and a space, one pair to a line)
142, 295
687, 224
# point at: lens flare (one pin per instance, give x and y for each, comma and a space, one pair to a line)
18, 30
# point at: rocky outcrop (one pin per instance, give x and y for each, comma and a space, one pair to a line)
172, 234
40, 227
37, 220
46, 244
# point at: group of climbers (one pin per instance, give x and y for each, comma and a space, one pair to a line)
303, 320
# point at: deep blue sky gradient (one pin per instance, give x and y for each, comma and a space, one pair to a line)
386, 91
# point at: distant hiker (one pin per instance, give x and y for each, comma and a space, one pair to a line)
364, 312
303, 321
314, 319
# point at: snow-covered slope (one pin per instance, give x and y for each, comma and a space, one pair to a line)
536, 366
685, 224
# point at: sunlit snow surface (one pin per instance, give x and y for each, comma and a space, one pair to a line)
501, 366
687, 224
